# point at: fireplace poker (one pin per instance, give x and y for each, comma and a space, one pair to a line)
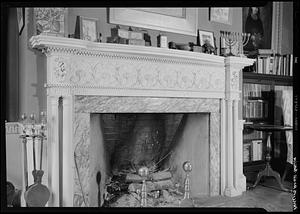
98, 180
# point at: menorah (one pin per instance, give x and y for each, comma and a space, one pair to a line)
230, 39
36, 195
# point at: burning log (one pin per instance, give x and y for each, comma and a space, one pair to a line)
157, 176
151, 186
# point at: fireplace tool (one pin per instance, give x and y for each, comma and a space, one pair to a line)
98, 180
187, 201
37, 194
144, 172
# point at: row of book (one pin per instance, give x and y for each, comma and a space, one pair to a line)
269, 63
254, 90
255, 109
254, 134
276, 65
253, 151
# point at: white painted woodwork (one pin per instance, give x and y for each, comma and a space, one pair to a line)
78, 67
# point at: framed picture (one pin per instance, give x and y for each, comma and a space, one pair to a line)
86, 28
175, 20
206, 37
51, 21
258, 22
221, 15
21, 19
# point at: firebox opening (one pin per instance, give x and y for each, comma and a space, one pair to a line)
121, 143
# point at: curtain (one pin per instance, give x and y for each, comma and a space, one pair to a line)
287, 109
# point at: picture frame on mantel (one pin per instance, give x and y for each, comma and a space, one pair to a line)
175, 20
206, 36
221, 15
86, 28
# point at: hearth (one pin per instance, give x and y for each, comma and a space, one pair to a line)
159, 141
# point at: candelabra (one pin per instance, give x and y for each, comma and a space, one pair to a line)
36, 194
144, 172
187, 201
231, 39
228, 39
245, 37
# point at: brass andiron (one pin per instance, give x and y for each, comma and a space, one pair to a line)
144, 172
187, 201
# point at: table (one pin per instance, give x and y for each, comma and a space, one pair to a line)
268, 171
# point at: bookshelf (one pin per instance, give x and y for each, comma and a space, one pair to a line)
258, 101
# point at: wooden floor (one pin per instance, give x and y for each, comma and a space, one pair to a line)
266, 195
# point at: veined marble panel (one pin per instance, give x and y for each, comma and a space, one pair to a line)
85, 105
81, 159
99, 104
215, 154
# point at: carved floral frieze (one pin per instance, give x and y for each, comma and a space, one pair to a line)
135, 74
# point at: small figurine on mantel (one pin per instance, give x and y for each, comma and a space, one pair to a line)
208, 48
147, 38
162, 41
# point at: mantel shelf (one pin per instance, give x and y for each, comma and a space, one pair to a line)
42, 41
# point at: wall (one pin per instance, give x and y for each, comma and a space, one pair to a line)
14, 156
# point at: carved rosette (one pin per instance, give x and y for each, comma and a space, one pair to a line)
60, 69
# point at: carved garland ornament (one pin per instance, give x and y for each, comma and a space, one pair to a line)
121, 73
234, 82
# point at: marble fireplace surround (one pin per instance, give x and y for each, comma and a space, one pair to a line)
85, 77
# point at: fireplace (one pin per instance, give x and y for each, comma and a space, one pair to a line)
159, 141
89, 82
197, 139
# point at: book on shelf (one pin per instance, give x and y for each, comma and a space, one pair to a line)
254, 134
265, 52
269, 63
246, 152
254, 109
256, 150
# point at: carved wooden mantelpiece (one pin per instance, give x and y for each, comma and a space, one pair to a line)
82, 67
116, 76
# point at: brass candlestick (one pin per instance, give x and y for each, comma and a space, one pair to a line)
187, 201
